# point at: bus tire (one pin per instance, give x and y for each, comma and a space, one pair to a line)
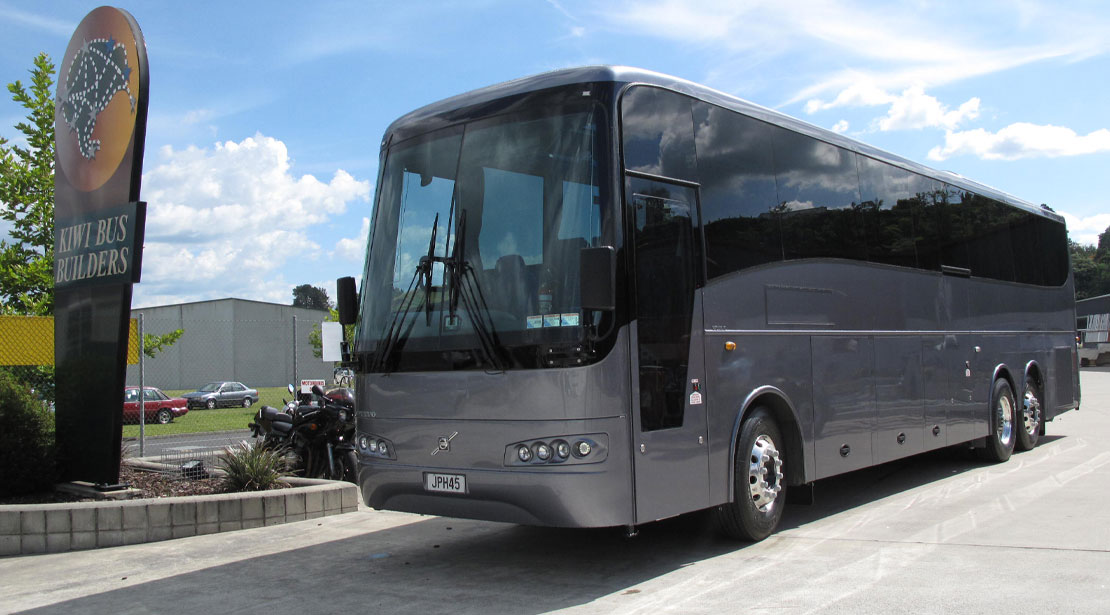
1032, 415
1003, 423
759, 493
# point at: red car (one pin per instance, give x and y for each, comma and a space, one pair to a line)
159, 407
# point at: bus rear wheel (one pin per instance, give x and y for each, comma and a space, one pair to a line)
759, 492
1003, 423
1032, 416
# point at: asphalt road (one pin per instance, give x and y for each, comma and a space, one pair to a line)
941, 533
184, 446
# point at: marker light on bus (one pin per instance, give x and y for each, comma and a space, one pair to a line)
543, 451
558, 451
562, 449
375, 446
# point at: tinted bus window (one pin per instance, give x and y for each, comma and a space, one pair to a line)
955, 231
658, 133
738, 195
818, 198
893, 200
990, 253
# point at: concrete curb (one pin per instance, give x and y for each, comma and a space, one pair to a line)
54, 528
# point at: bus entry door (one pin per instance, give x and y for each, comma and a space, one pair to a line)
670, 444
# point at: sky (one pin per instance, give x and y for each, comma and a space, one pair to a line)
265, 118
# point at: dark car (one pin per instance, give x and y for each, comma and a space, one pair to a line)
217, 394
157, 406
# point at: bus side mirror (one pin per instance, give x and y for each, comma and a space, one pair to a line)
347, 300
596, 278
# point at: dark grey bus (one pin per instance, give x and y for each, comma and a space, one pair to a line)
605, 296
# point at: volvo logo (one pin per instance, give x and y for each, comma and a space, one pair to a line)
444, 443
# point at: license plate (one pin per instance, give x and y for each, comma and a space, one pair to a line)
445, 483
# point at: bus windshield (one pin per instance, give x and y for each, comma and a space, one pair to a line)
474, 256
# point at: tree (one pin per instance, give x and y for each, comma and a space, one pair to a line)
1091, 267
312, 297
153, 344
27, 199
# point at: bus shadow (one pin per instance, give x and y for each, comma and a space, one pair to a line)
842, 493
441, 565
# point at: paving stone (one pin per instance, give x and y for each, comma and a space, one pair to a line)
10, 522
252, 509
295, 504
314, 501
135, 536
208, 511
273, 505
109, 538
9, 545
32, 522
158, 515
83, 519
79, 541
57, 521
183, 514
231, 510
32, 543
109, 518
58, 543
134, 516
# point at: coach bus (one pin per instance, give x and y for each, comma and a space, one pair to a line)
605, 296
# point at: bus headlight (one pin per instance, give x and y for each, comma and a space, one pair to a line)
558, 450
543, 451
378, 447
562, 449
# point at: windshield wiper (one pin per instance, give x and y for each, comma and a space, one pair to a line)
464, 286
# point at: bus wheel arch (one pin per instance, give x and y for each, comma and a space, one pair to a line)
1031, 408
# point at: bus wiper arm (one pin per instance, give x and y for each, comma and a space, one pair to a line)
464, 286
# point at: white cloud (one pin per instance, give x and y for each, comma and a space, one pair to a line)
911, 110
903, 44
915, 109
354, 248
1021, 140
224, 221
1086, 230
840, 127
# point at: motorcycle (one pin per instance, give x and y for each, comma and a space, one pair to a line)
316, 433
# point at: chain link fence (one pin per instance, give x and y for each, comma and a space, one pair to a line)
202, 376
201, 390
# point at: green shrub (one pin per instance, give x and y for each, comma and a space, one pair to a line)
253, 468
26, 440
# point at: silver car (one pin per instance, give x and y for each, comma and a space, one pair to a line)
222, 394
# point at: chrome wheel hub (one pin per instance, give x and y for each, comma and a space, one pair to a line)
1031, 410
764, 473
1005, 420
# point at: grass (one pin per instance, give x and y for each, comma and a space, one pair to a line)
220, 419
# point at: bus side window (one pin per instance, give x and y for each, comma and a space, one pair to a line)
658, 133
818, 197
738, 197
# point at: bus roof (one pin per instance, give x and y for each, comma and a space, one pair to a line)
624, 75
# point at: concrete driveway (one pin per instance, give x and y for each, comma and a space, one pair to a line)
941, 533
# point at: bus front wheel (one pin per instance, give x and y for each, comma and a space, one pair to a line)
1003, 422
759, 492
